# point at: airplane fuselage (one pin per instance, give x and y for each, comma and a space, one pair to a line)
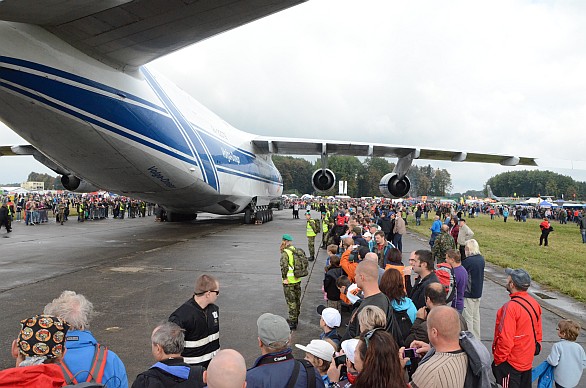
131, 132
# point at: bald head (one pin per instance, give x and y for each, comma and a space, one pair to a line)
446, 321
226, 370
445, 227
371, 256
368, 269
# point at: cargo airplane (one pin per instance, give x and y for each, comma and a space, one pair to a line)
74, 84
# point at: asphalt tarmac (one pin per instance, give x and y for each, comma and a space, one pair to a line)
136, 272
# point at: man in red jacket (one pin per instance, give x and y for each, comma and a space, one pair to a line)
517, 333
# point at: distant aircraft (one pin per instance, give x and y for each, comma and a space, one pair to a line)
499, 199
73, 83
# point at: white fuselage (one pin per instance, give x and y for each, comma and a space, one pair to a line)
133, 132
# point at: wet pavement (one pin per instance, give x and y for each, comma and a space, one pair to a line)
136, 272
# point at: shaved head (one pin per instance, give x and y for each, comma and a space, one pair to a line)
226, 370
446, 321
371, 256
368, 269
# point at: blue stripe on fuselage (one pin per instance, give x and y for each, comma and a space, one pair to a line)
206, 162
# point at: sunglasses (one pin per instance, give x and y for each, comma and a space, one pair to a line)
217, 292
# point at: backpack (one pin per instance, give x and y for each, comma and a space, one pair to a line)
393, 326
95, 375
314, 225
445, 274
340, 221
300, 262
404, 323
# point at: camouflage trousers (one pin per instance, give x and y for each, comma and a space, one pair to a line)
311, 245
293, 298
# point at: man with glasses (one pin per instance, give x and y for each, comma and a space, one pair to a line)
200, 319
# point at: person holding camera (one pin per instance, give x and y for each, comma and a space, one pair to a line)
446, 364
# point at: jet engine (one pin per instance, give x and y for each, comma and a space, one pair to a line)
391, 186
73, 183
323, 180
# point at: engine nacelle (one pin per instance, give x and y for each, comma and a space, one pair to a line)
73, 183
323, 180
391, 186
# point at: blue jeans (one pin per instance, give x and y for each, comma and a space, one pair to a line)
398, 241
583, 231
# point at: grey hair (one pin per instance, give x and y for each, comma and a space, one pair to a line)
73, 308
170, 337
278, 345
472, 248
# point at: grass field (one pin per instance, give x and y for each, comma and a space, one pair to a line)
560, 266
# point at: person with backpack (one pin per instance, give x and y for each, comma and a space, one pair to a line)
312, 229
291, 283
84, 354
461, 278
276, 367
404, 310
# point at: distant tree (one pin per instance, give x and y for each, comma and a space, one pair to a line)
296, 173
375, 169
534, 182
51, 182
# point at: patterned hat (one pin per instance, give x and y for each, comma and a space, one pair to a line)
42, 336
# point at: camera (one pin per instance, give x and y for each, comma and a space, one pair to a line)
340, 360
410, 353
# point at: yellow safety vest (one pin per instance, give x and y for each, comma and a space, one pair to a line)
324, 225
290, 270
310, 232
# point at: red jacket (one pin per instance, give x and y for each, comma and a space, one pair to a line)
36, 376
513, 332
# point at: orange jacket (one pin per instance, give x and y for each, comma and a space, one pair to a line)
513, 332
347, 266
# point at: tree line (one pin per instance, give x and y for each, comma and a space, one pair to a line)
363, 177
533, 183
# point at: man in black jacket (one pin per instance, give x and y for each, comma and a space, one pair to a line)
423, 266
167, 343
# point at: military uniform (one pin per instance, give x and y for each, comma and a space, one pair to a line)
311, 238
442, 243
292, 290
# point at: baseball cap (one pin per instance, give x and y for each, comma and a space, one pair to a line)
349, 348
519, 276
272, 328
367, 234
331, 316
287, 237
319, 348
42, 336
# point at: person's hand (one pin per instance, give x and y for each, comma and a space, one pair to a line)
422, 347
402, 359
421, 313
285, 281
334, 372
407, 270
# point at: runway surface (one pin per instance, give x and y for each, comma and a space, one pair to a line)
136, 272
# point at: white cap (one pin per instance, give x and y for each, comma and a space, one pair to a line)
349, 347
331, 316
319, 348
367, 234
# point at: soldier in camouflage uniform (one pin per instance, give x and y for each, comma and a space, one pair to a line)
312, 230
291, 284
443, 242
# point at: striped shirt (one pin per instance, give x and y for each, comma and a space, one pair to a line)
442, 370
202, 331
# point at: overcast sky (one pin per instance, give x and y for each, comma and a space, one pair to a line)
497, 77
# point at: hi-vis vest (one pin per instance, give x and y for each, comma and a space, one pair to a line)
290, 269
310, 232
324, 225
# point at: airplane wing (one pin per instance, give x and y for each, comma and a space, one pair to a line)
291, 146
131, 33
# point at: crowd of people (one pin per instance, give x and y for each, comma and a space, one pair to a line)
385, 324
41, 209
425, 315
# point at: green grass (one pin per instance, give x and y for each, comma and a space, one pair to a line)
560, 266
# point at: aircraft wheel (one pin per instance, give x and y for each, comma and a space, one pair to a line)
248, 216
270, 215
